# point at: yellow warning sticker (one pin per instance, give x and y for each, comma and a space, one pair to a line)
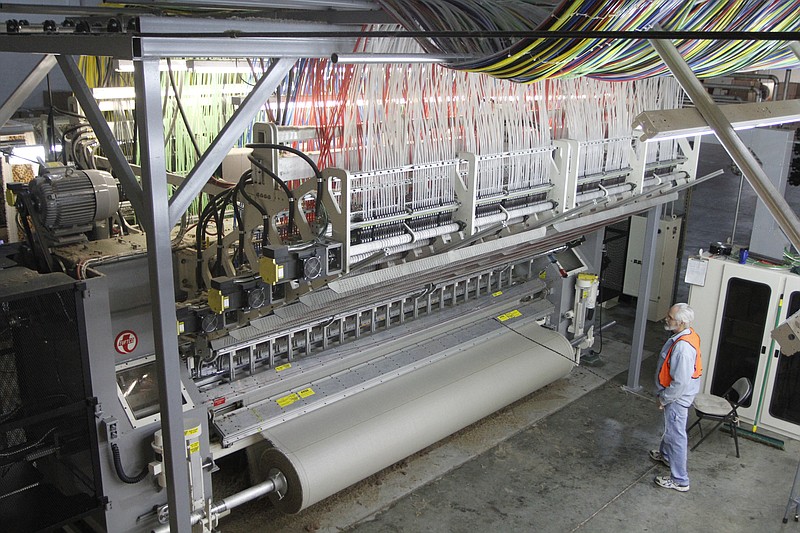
508, 316
191, 431
194, 447
283, 367
496, 294
288, 400
305, 393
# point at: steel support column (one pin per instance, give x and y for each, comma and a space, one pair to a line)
31, 81
159, 255
227, 137
643, 298
779, 208
108, 142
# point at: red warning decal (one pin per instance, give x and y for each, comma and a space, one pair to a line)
126, 342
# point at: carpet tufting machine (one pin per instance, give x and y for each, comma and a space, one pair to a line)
328, 234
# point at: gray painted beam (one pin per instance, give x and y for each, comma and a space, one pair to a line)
101, 129
213, 156
778, 207
643, 299
162, 291
31, 81
79, 44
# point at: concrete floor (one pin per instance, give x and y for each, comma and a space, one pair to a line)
585, 468
572, 456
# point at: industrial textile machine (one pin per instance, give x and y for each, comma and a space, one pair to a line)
402, 327
330, 319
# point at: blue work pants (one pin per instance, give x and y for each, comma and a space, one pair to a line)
674, 443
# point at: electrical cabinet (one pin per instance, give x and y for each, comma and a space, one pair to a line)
736, 309
664, 265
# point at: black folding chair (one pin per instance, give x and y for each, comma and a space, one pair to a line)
721, 409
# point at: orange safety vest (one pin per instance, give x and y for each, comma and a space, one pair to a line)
664, 378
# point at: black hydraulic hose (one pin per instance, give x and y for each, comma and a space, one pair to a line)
243, 181
304, 157
125, 478
286, 189
205, 216
219, 221
237, 215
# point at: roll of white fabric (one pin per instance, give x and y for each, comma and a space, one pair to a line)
327, 450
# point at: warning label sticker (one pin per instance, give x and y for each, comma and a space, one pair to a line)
508, 316
287, 400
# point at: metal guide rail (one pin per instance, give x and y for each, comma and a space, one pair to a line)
346, 319
299, 330
295, 389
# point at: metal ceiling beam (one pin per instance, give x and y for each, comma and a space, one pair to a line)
778, 206
204, 37
18, 97
118, 161
231, 132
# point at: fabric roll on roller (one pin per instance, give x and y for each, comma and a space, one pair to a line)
326, 450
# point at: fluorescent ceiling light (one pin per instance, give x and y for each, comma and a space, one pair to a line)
223, 67
126, 65
286, 4
680, 123
369, 59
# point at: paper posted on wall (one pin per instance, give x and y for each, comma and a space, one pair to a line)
696, 270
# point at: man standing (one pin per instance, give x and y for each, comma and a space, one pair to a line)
677, 381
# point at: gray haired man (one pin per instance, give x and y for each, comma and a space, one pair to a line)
677, 381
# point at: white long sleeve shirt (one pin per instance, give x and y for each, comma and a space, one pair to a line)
683, 388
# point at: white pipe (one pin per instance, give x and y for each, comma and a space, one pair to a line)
355, 259
223, 506
604, 192
380, 244
406, 59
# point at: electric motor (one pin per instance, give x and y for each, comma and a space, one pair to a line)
74, 198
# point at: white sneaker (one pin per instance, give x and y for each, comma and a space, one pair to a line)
656, 456
667, 483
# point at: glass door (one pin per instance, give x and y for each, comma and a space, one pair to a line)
782, 395
749, 300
